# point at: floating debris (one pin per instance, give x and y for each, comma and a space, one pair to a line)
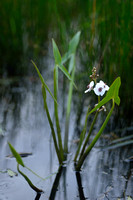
21, 154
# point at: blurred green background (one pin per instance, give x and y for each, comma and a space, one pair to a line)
27, 27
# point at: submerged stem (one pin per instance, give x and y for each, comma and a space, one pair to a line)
81, 160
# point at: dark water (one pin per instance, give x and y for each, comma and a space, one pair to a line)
106, 174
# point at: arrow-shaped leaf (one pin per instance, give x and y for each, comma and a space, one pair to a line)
114, 90
57, 57
111, 94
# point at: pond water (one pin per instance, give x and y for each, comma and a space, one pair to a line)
106, 174
106, 43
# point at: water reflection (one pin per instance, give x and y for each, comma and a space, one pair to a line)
56, 183
105, 172
80, 187
38, 196
62, 172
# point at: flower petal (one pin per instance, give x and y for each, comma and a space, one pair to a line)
91, 84
87, 90
106, 87
99, 89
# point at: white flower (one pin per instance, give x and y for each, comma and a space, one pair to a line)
90, 87
100, 88
106, 87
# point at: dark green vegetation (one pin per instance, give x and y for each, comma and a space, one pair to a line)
106, 38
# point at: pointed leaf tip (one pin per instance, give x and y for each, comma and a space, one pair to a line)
114, 91
16, 155
56, 53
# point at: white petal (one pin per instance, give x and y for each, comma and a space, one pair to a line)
101, 82
106, 87
91, 84
102, 93
97, 89
87, 90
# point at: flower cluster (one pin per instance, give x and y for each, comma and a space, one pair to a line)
99, 89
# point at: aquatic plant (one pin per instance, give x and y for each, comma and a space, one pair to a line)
70, 73
99, 89
21, 163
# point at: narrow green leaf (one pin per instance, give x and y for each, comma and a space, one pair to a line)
56, 52
121, 144
64, 70
43, 82
74, 43
111, 94
122, 139
16, 155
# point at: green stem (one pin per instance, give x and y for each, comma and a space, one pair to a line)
40, 176
69, 109
82, 136
51, 124
29, 181
81, 160
88, 136
56, 112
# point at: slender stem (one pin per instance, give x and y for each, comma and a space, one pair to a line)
80, 162
51, 124
82, 136
98, 99
83, 133
40, 176
29, 181
56, 113
88, 136
69, 109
